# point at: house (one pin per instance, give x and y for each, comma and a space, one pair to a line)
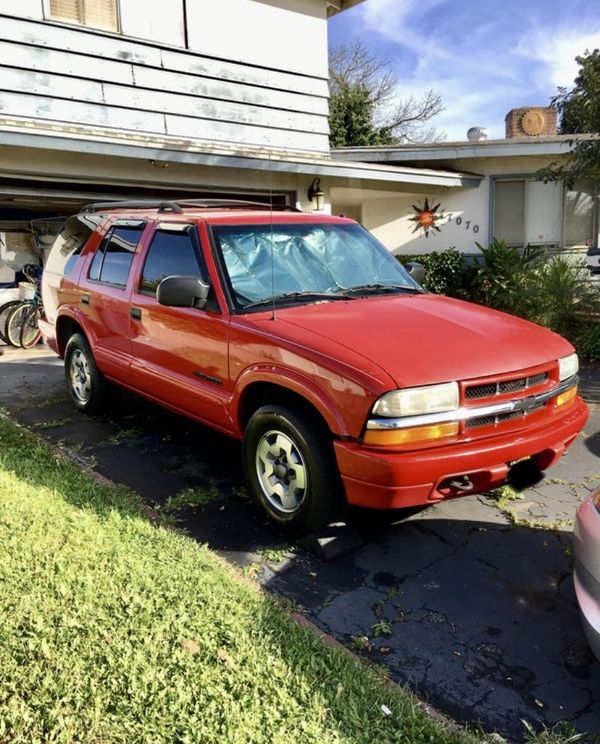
508, 203
105, 99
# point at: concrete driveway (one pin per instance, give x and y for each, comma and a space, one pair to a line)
470, 603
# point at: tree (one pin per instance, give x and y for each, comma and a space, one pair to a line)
579, 113
364, 107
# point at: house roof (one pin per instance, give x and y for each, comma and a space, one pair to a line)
558, 144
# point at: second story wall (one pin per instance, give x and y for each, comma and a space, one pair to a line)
253, 73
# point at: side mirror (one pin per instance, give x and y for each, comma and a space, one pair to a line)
416, 270
183, 291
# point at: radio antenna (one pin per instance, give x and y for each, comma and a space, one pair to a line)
272, 247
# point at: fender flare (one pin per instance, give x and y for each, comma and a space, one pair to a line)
300, 384
78, 317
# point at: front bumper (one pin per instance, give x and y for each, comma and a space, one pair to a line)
586, 577
381, 479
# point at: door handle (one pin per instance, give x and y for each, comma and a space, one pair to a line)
85, 299
135, 313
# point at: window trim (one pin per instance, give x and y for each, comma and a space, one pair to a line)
132, 225
47, 13
187, 228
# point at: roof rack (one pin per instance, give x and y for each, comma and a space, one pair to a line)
178, 206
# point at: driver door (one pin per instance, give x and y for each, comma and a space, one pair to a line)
179, 355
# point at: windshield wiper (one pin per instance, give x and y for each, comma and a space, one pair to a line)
376, 287
307, 295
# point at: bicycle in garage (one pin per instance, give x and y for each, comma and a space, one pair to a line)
19, 318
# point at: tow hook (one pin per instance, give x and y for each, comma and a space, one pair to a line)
463, 483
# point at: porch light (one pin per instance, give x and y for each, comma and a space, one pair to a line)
316, 194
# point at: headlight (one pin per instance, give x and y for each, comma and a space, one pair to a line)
568, 366
419, 400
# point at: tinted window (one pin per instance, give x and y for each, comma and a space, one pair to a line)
170, 254
113, 258
70, 242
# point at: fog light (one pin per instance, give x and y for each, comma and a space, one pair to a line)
410, 435
567, 396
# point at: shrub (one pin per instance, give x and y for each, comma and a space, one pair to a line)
586, 339
566, 297
507, 277
445, 271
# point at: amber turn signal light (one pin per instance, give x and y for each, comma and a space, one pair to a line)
567, 396
410, 435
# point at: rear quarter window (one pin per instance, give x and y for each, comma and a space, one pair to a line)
70, 242
113, 258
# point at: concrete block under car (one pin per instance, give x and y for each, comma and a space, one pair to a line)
332, 542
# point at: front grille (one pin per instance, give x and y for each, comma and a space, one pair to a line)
500, 418
490, 389
512, 386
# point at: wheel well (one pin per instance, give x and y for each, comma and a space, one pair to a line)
266, 393
65, 328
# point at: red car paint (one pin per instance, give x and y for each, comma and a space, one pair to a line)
339, 356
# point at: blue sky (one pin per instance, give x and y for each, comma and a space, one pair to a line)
483, 56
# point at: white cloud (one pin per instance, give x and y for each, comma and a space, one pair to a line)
557, 52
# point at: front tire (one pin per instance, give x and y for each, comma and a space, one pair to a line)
290, 469
86, 384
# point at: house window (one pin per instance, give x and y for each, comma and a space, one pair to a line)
528, 212
94, 13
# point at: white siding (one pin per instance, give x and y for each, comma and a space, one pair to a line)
73, 75
289, 34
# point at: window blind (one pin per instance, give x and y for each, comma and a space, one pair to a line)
94, 13
543, 213
509, 206
67, 10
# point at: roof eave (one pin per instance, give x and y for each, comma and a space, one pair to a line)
337, 6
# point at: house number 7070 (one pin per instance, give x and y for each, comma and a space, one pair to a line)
467, 223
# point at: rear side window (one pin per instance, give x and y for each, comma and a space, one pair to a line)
170, 254
70, 242
113, 259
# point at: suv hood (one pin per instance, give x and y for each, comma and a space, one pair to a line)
424, 339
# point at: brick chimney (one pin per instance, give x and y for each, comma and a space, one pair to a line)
531, 121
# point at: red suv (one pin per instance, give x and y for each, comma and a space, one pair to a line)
302, 336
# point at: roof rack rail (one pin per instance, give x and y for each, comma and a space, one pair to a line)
178, 205
235, 204
161, 206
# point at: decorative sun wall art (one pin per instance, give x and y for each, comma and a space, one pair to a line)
426, 217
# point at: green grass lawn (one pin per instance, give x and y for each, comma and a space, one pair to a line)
115, 630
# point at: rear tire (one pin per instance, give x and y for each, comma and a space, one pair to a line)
85, 383
291, 470
14, 323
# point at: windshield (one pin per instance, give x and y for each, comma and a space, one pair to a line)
315, 260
